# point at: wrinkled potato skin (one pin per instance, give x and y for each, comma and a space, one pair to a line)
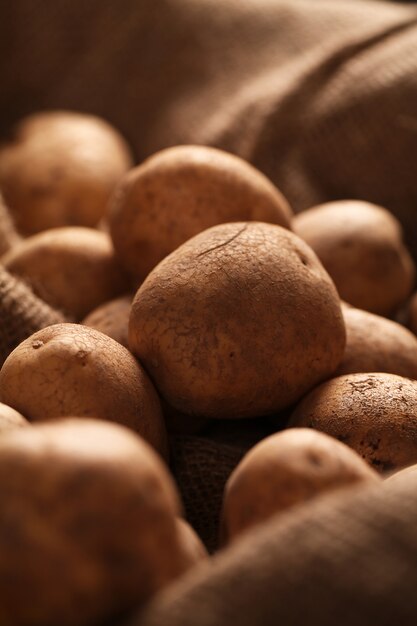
92, 538
360, 245
373, 413
376, 344
112, 319
69, 369
181, 191
286, 469
60, 169
10, 419
233, 323
73, 269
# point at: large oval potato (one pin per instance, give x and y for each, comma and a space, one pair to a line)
73, 269
240, 321
286, 469
374, 413
69, 369
88, 526
60, 169
376, 344
360, 245
180, 192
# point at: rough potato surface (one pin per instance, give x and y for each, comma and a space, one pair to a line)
240, 321
375, 414
69, 369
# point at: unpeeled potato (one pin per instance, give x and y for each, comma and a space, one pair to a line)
373, 413
60, 169
361, 246
180, 192
88, 524
73, 269
112, 319
69, 369
240, 321
376, 344
10, 419
286, 469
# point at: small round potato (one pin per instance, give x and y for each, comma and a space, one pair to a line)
73, 269
286, 469
180, 192
10, 419
376, 344
60, 169
240, 321
112, 319
360, 245
69, 369
88, 524
373, 413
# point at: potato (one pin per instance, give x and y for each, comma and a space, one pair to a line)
240, 321
112, 319
60, 169
10, 419
376, 344
373, 413
193, 548
69, 369
87, 525
71, 268
286, 469
360, 245
180, 192
411, 314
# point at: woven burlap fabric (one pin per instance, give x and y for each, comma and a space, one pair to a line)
21, 313
348, 559
320, 95
201, 468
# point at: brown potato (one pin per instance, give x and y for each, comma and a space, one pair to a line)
60, 169
193, 548
10, 419
373, 413
180, 192
69, 369
360, 245
411, 314
73, 269
240, 321
112, 319
376, 344
87, 526
286, 469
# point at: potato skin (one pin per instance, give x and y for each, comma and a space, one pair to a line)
87, 525
360, 245
193, 547
233, 323
286, 469
376, 344
69, 369
73, 269
60, 170
373, 413
180, 192
10, 419
112, 319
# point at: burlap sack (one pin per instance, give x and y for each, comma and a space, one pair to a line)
321, 95
349, 559
201, 468
21, 313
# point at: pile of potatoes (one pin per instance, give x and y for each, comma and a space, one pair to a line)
193, 296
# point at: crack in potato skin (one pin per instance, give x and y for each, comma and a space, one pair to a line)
242, 290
